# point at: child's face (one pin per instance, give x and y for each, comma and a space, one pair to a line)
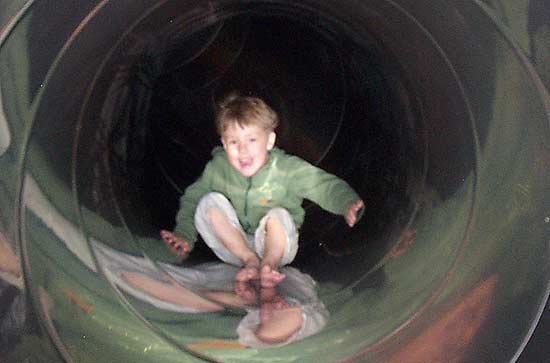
247, 147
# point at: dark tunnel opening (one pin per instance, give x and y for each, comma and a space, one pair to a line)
329, 114
346, 103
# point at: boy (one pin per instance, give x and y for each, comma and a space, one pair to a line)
247, 204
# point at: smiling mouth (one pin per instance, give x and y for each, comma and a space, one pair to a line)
245, 163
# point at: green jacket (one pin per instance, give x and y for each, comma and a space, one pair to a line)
285, 181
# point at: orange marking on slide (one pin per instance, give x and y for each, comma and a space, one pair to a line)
216, 344
78, 301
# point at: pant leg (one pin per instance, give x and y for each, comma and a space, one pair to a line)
291, 246
206, 230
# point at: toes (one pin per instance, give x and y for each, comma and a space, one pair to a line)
246, 274
240, 276
244, 290
270, 277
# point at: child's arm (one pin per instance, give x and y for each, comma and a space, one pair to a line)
185, 225
330, 192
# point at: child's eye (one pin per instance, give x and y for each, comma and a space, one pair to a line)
252, 140
232, 142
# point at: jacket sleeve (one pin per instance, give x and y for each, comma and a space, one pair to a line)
185, 219
325, 189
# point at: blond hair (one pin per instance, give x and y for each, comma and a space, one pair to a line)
245, 111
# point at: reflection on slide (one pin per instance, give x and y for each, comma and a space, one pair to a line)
436, 112
274, 316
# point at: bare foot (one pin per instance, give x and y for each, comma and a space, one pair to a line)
250, 271
271, 295
246, 291
247, 273
270, 277
270, 301
268, 294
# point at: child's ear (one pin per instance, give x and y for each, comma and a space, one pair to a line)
271, 140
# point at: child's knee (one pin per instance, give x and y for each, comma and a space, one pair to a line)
280, 214
212, 199
279, 218
274, 223
214, 215
210, 206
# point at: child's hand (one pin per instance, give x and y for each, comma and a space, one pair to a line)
177, 245
351, 215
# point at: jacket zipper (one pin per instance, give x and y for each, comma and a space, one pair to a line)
247, 226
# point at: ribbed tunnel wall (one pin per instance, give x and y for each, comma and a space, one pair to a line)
429, 109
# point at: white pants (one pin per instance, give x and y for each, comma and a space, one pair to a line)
255, 242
